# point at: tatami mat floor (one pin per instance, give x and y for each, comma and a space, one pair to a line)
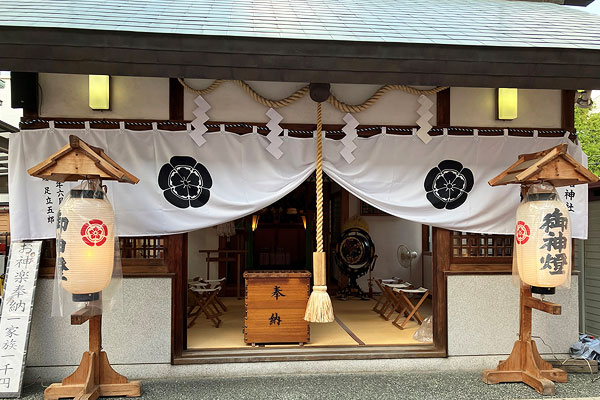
355, 315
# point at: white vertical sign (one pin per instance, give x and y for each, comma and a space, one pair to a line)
15, 317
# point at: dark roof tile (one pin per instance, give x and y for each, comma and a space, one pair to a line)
465, 22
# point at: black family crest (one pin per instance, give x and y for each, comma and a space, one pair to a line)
185, 182
448, 185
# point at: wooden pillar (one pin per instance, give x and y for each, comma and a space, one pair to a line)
175, 100
443, 108
177, 263
345, 206
442, 247
568, 110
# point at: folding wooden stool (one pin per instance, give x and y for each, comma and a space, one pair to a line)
407, 297
382, 300
396, 303
216, 284
205, 300
387, 298
192, 302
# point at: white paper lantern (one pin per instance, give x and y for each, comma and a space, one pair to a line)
543, 242
85, 244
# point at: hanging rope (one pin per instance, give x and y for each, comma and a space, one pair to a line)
202, 92
349, 108
300, 93
319, 175
319, 307
297, 95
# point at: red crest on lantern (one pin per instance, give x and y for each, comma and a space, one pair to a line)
522, 232
94, 232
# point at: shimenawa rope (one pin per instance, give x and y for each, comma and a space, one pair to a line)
297, 95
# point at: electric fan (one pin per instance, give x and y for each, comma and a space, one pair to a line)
405, 258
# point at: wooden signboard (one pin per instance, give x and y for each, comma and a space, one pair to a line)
15, 317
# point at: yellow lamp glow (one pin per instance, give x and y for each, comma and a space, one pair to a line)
543, 241
507, 103
99, 92
85, 244
255, 222
304, 221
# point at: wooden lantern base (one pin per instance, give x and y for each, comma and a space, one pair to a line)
94, 377
91, 382
525, 363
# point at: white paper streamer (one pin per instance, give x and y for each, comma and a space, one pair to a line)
273, 136
200, 128
425, 116
348, 140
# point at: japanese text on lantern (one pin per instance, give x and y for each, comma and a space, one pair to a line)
19, 288
555, 243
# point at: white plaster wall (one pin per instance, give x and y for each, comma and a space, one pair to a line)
66, 95
388, 233
203, 239
139, 334
477, 107
483, 316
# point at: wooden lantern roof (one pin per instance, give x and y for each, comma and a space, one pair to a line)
79, 161
553, 165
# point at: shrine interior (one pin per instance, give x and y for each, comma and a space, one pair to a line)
249, 280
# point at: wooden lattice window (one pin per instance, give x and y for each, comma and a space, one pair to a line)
144, 247
469, 247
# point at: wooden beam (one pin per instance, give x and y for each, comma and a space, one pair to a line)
545, 306
58, 50
175, 100
333, 130
443, 108
82, 315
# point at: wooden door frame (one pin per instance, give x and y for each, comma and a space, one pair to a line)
177, 263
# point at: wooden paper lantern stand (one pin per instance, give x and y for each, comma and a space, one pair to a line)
525, 363
94, 377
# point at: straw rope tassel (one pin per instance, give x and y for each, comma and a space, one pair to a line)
319, 308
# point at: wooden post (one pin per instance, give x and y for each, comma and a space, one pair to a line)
525, 363
94, 377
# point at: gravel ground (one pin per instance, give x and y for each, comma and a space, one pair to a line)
422, 386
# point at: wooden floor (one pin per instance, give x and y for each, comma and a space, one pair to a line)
356, 324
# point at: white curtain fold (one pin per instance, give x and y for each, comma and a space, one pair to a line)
243, 178
184, 187
391, 173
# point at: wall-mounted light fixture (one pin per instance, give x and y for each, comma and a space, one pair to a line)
507, 103
255, 222
99, 92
